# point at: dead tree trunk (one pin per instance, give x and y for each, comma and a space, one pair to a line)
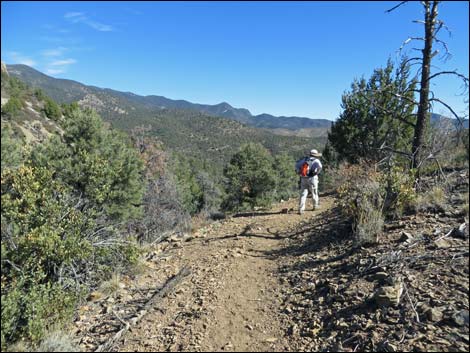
422, 117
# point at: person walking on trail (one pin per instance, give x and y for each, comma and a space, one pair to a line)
308, 169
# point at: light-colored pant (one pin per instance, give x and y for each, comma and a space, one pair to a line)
306, 185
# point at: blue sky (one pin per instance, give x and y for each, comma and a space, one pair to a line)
282, 58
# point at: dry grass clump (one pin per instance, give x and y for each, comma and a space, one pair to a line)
432, 200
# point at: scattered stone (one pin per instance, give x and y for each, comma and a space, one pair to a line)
443, 243
406, 237
390, 347
460, 232
433, 314
388, 295
380, 276
461, 318
294, 330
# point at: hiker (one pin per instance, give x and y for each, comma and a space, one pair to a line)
308, 169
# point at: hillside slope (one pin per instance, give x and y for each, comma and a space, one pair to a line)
211, 140
115, 103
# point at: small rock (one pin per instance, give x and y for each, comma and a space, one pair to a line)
461, 318
433, 314
271, 340
249, 327
406, 237
390, 347
388, 295
443, 243
294, 330
460, 232
227, 346
380, 276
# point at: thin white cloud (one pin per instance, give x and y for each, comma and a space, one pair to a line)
133, 11
18, 58
63, 62
81, 17
54, 52
54, 71
100, 26
74, 14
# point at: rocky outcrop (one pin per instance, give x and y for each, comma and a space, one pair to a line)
4, 69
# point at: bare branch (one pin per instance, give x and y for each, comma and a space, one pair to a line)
444, 44
464, 78
404, 63
403, 97
408, 40
450, 109
397, 6
441, 25
386, 148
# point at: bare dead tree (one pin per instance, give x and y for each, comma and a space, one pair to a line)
432, 26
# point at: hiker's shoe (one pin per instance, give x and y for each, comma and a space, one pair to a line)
300, 212
316, 207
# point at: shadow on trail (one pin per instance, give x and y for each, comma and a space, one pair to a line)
321, 251
246, 233
257, 214
326, 231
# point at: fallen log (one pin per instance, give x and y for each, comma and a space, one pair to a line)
158, 295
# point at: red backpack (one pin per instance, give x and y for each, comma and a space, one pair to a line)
304, 169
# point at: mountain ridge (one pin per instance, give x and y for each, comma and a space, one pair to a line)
66, 91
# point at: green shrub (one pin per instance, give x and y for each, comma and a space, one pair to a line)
12, 107
189, 190
51, 109
12, 154
285, 177
57, 341
42, 236
361, 197
431, 200
399, 189
98, 163
63, 217
250, 178
373, 115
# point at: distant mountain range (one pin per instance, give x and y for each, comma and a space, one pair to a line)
443, 121
115, 103
209, 140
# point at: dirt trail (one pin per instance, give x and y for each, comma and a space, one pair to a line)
232, 299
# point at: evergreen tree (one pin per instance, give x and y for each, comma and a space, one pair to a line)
286, 178
377, 116
11, 149
251, 180
51, 109
187, 185
99, 164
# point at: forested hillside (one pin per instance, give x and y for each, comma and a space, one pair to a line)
114, 104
